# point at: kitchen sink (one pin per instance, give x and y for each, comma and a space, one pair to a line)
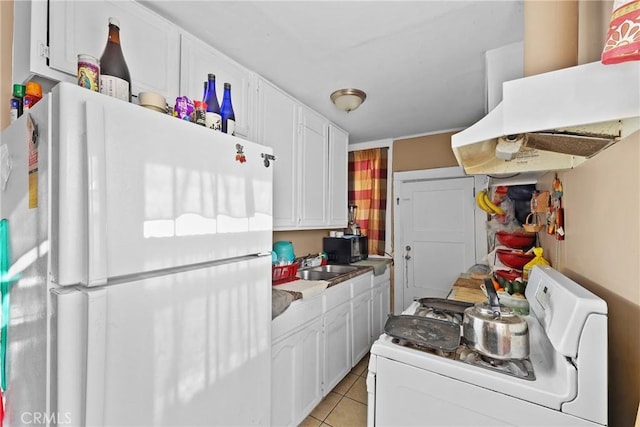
313, 274
341, 269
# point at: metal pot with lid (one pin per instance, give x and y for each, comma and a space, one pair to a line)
495, 331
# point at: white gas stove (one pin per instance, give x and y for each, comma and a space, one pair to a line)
563, 382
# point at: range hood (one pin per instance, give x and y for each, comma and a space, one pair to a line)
553, 121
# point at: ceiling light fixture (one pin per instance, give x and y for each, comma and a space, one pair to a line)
348, 99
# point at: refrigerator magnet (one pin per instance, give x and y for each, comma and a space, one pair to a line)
32, 159
240, 157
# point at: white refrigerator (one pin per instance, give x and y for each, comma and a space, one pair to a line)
140, 268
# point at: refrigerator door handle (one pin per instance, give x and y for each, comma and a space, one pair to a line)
68, 353
96, 303
97, 196
80, 353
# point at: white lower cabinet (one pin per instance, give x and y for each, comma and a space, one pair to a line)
360, 318
317, 341
380, 306
337, 348
296, 366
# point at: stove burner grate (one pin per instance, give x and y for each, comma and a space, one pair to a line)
522, 369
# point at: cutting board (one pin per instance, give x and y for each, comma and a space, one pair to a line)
468, 290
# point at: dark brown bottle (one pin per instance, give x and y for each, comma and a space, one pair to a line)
115, 79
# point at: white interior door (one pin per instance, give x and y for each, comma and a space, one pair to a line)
437, 235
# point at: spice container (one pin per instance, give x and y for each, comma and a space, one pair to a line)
32, 95
89, 72
200, 113
183, 108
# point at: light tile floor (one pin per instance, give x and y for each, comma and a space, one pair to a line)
346, 404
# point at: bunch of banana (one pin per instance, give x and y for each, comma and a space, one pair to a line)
483, 201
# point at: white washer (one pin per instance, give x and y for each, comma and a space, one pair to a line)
568, 340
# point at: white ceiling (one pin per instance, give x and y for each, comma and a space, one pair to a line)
421, 63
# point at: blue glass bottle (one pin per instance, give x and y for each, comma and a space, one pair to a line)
228, 116
213, 119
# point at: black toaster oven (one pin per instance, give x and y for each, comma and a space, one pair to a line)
346, 249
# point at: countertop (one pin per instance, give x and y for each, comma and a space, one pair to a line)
290, 288
286, 293
371, 264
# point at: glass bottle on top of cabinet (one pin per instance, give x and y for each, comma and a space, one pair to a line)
115, 79
213, 120
228, 116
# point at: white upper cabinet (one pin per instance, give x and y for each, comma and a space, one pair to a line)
310, 175
30, 49
150, 44
277, 127
313, 159
338, 175
197, 60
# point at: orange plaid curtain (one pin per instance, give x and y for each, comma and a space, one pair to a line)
368, 191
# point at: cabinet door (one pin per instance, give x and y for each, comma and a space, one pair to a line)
197, 60
309, 389
313, 158
380, 309
283, 381
296, 369
30, 34
361, 326
277, 125
337, 346
150, 44
338, 174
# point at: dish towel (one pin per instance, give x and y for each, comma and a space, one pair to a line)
308, 288
379, 266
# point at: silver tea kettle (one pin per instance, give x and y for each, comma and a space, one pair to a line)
495, 331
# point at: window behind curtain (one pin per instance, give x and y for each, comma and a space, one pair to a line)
368, 191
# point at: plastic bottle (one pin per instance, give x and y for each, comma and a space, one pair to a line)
213, 117
228, 116
32, 96
18, 95
115, 79
537, 260
13, 112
